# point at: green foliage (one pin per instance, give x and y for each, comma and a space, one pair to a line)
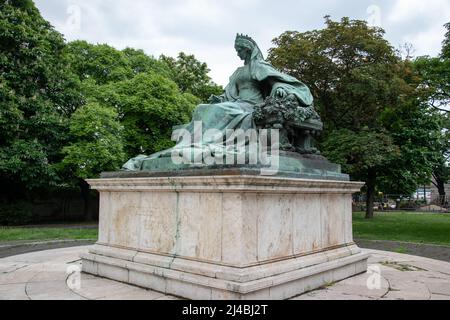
436, 80
18, 213
99, 62
416, 131
191, 76
435, 85
149, 105
25, 162
69, 110
371, 102
441, 167
96, 141
446, 43
349, 67
37, 93
142, 63
362, 151
368, 99
138, 87
104, 64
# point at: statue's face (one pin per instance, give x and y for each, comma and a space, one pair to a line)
242, 52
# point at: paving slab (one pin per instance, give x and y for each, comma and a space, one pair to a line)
49, 290
54, 275
13, 292
439, 297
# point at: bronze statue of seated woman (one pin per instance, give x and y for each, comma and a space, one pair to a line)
257, 97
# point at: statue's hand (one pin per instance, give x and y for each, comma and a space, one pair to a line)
280, 93
214, 99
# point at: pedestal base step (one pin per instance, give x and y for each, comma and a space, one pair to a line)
205, 281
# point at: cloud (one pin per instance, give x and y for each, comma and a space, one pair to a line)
409, 10
420, 23
427, 40
206, 28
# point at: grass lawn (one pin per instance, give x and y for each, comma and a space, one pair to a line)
40, 234
402, 226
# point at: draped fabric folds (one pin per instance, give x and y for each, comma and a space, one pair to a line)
249, 85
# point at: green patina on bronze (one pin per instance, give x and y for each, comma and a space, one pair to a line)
257, 97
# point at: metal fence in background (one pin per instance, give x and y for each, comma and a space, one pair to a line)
390, 202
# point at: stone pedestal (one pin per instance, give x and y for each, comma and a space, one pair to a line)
225, 237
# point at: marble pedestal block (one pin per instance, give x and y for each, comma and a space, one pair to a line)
225, 237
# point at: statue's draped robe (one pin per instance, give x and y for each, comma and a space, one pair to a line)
248, 86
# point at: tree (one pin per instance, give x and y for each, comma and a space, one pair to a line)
436, 80
441, 169
446, 43
104, 64
338, 64
96, 146
142, 63
435, 73
149, 105
191, 76
364, 154
416, 131
37, 94
138, 87
365, 95
49, 88
101, 62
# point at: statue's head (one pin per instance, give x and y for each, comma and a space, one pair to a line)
246, 47
244, 41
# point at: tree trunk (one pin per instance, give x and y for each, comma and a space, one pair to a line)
370, 195
85, 194
441, 189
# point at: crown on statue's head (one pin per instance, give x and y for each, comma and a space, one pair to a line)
245, 40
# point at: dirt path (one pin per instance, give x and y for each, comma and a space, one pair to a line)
423, 250
417, 249
13, 248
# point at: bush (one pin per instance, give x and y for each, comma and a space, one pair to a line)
18, 213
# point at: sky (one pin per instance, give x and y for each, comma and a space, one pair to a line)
207, 28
